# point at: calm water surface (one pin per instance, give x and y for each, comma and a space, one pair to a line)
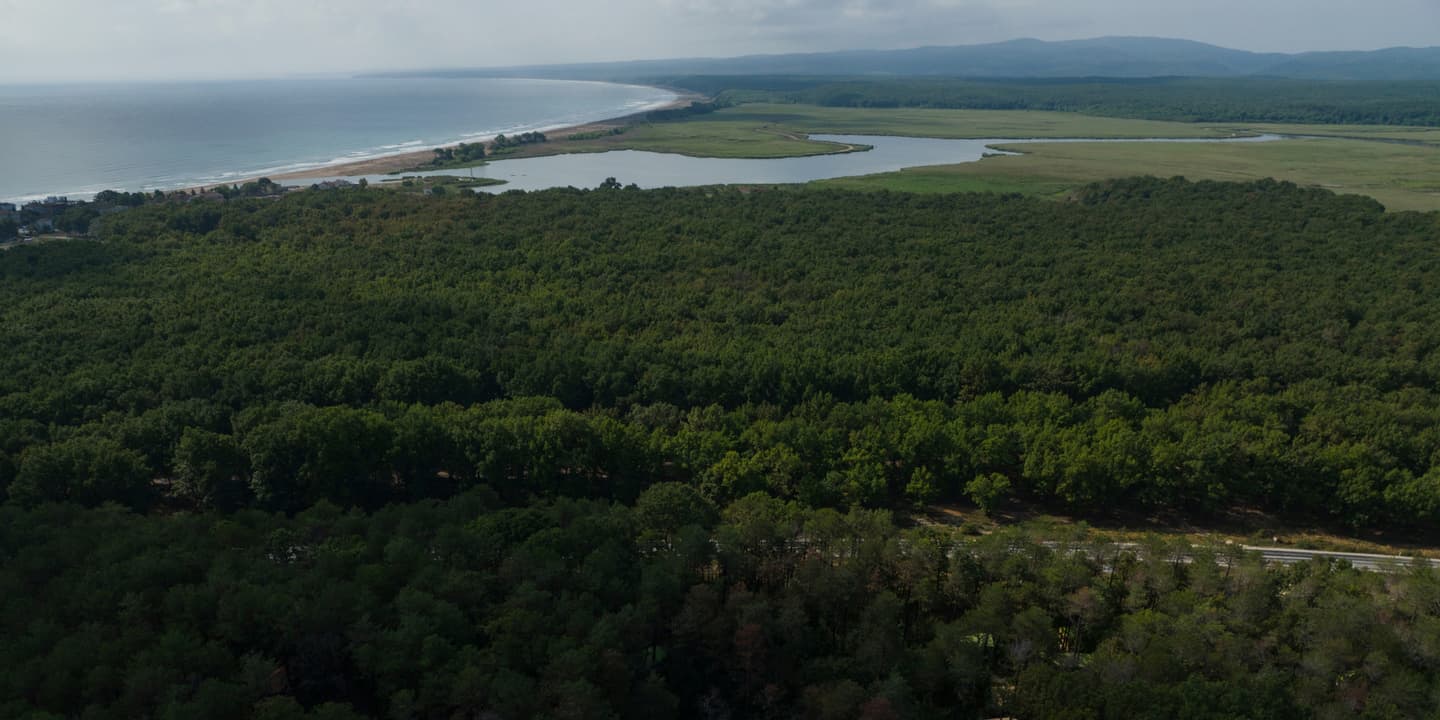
79, 139
650, 169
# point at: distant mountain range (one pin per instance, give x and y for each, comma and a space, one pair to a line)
1121, 57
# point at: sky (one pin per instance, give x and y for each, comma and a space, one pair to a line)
108, 40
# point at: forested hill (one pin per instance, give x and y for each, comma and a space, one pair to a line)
1151, 344
1116, 57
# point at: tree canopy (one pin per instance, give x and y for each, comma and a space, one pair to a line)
620, 453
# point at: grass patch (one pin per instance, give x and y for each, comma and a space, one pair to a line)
416, 184
1399, 166
942, 179
700, 137
1390, 133
1401, 177
780, 131
958, 124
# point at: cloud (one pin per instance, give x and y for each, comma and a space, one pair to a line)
43, 40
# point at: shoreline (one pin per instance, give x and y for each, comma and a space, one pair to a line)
416, 159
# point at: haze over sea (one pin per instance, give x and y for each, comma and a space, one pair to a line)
77, 140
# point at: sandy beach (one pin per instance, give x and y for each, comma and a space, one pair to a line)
416, 159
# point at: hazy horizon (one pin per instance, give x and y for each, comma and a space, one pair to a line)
155, 40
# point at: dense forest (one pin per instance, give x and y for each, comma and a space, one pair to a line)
622, 453
1181, 99
671, 608
1154, 344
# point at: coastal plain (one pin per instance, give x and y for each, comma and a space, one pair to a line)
1401, 177
1398, 166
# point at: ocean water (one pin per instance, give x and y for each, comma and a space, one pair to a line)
77, 140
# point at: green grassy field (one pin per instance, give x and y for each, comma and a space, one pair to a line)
960, 124
774, 131
1401, 177
1424, 135
421, 185
712, 136
1358, 159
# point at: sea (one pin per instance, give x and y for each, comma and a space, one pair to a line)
76, 140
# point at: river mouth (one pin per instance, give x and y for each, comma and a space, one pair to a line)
647, 169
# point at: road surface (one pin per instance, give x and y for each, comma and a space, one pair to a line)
1363, 561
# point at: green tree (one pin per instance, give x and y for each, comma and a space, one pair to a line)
211, 470
664, 509
988, 491
921, 490
86, 470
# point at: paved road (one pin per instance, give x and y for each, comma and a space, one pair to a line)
1364, 561
1291, 556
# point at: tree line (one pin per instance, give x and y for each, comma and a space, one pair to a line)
503, 142
1249, 100
1340, 454
462, 153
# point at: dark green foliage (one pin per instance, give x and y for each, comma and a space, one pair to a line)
211, 470
467, 153
597, 134
1184, 99
507, 142
571, 609
119, 198
608, 454
77, 219
1153, 344
264, 187
86, 470
680, 113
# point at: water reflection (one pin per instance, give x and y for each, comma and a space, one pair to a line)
651, 169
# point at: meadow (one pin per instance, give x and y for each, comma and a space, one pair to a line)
1397, 165
773, 130
1401, 177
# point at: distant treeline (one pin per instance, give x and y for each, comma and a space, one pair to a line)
504, 142
462, 153
1180, 99
1155, 344
680, 113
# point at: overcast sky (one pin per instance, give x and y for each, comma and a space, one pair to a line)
46, 40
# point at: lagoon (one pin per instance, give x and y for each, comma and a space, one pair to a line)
651, 169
